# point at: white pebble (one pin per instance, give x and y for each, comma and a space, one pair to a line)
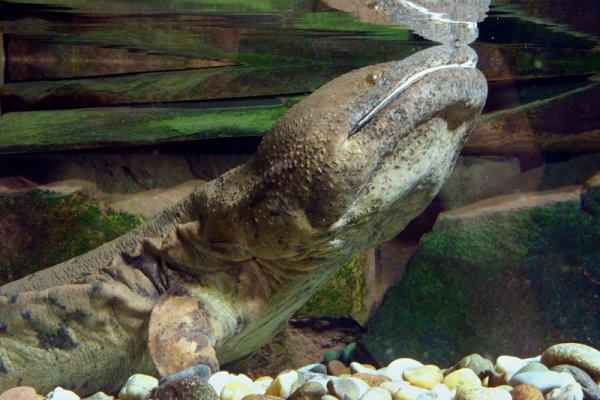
568, 392
500, 394
409, 392
62, 394
396, 368
392, 386
235, 390
218, 381
441, 392
362, 386
358, 367
138, 387
284, 384
328, 397
508, 365
543, 380
376, 393
261, 385
240, 378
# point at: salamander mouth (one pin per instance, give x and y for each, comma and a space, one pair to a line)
401, 87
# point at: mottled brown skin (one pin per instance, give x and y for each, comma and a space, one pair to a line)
214, 277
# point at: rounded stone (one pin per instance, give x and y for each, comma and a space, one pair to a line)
567, 392
62, 394
260, 397
201, 371
441, 392
218, 381
194, 388
348, 353
337, 368
332, 355
138, 387
409, 392
392, 386
284, 384
543, 380
372, 379
508, 365
590, 389
473, 393
344, 388
499, 394
396, 368
362, 368
526, 392
426, 376
532, 367
376, 393
580, 355
309, 391
236, 391
100, 396
19, 393
262, 384
481, 366
464, 376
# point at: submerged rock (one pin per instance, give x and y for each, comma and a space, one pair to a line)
485, 262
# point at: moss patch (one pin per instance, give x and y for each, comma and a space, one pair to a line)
39, 229
343, 296
510, 283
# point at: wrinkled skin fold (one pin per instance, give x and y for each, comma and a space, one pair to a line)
213, 278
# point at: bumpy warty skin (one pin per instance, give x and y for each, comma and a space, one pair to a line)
214, 277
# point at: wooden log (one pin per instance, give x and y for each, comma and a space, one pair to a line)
34, 60
188, 85
38, 131
567, 123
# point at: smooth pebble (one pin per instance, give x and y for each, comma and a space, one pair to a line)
396, 368
409, 392
376, 393
371, 379
567, 392
426, 376
526, 392
138, 387
62, 394
344, 388
461, 376
580, 355
100, 396
543, 380
236, 390
218, 380
508, 365
393, 386
19, 393
284, 384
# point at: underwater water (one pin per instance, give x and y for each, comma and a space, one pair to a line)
112, 111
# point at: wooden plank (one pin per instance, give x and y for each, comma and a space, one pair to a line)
188, 85
38, 131
36, 60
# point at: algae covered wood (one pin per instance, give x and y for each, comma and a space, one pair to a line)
36, 131
174, 86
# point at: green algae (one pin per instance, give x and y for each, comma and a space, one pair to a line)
504, 284
45, 228
68, 129
343, 296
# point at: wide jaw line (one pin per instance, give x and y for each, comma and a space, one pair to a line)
396, 85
